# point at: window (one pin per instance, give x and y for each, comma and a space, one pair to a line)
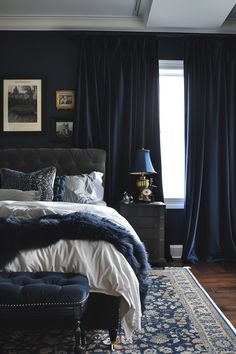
171, 81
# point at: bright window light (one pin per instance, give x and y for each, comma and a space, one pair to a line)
171, 82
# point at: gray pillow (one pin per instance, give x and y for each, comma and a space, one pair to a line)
41, 180
15, 194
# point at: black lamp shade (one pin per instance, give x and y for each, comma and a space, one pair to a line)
142, 163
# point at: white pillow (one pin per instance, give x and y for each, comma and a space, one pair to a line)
86, 188
15, 194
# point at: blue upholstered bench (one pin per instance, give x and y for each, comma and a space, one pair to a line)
43, 298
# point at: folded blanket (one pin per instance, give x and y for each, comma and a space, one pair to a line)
16, 235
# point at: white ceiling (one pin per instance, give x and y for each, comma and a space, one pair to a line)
199, 16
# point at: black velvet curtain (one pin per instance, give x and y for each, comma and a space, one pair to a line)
210, 97
118, 110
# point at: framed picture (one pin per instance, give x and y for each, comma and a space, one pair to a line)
65, 99
22, 105
63, 129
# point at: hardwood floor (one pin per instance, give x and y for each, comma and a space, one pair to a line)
219, 280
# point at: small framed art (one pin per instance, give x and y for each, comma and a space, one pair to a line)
22, 105
65, 99
63, 129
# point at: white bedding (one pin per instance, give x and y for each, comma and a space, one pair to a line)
107, 269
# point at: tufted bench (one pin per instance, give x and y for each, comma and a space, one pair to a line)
42, 298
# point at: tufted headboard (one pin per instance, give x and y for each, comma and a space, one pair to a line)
68, 161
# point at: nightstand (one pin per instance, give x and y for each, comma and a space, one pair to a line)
148, 220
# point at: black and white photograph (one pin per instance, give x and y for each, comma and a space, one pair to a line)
65, 99
63, 129
22, 105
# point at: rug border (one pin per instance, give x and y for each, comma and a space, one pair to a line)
224, 318
211, 300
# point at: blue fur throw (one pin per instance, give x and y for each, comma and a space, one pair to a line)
20, 234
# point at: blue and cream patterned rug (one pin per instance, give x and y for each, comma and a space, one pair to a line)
179, 318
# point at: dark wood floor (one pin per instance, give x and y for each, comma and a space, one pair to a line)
219, 280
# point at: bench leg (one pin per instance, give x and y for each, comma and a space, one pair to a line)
83, 337
78, 340
113, 335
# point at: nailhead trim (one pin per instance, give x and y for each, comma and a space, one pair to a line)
46, 303
42, 304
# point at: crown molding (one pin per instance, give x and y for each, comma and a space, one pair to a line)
95, 23
72, 22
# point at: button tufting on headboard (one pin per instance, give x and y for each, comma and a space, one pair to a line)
68, 161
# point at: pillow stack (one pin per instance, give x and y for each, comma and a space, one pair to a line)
44, 185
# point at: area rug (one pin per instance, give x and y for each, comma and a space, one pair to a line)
180, 318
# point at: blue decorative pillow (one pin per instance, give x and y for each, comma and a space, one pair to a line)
59, 188
41, 180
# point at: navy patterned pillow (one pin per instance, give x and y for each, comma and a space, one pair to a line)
59, 188
41, 180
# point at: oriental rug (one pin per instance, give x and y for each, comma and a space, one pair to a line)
179, 318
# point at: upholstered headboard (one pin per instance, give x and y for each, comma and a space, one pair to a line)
68, 161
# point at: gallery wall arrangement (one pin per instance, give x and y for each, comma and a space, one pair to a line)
23, 109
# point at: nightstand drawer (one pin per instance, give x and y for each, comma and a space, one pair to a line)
144, 222
141, 209
150, 234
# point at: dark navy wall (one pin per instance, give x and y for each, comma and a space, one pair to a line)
171, 48
51, 56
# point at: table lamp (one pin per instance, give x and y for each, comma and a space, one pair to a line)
142, 167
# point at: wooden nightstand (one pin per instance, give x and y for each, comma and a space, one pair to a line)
148, 220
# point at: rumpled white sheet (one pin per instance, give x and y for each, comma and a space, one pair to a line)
106, 268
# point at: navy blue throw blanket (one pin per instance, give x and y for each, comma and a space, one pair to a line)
20, 234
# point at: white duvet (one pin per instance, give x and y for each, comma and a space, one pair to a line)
107, 269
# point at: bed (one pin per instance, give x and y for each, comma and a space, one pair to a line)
117, 278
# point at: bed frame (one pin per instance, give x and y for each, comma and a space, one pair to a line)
102, 311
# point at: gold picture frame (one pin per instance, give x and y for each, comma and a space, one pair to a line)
22, 105
65, 99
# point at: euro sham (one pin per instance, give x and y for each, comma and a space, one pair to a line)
41, 180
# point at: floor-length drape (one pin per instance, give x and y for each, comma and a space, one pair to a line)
210, 98
117, 104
